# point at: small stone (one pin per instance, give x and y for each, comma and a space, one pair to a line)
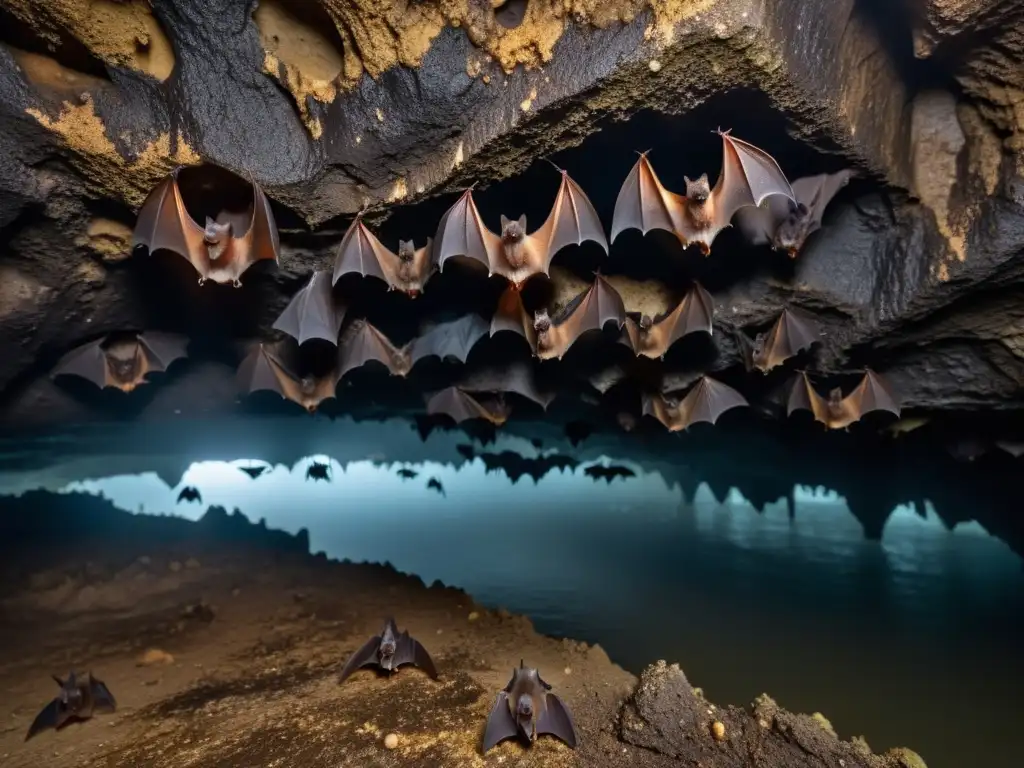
154, 656
175, 566
718, 731
654, 65
440, 631
568, 670
473, 616
192, 564
391, 741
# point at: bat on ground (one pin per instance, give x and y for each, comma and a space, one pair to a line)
749, 176
793, 332
80, 697
526, 709
510, 315
188, 493
318, 471
608, 473
261, 369
453, 339
407, 271
786, 224
514, 254
518, 378
838, 412
435, 485
407, 474
390, 650
653, 338
590, 311
461, 406
313, 313
362, 343
220, 251
122, 362
706, 401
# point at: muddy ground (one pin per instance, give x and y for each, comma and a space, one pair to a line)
223, 641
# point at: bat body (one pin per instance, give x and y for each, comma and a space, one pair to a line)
609, 473
122, 362
510, 315
517, 378
706, 401
514, 254
786, 224
792, 332
188, 493
389, 650
434, 484
838, 412
261, 369
597, 306
362, 343
454, 339
749, 175
219, 251
653, 338
80, 697
313, 313
526, 709
406, 271
318, 471
461, 406
407, 474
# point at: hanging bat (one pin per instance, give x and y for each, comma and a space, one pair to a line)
653, 338
361, 343
609, 473
454, 339
433, 484
261, 369
407, 474
510, 315
121, 361
461, 406
793, 332
526, 708
80, 697
838, 412
514, 254
389, 650
360, 251
518, 378
188, 493
749, 176
786, 224
706, 401
590, 311
220, 251
313, 313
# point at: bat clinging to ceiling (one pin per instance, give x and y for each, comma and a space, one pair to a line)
80, 697
653, 338
526, 708
461, 406
793, 332
590, 311
188, 493
261, 369
514, 254
838, 412
517, 377
608, 473
786, 224
362, 343
389, 650
708, 400
455, 339
407, 271
122, 361
749, 175
313, 313
221, 251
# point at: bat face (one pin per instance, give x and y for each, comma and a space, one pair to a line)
386, 650
793, 230
126, 365
698, 191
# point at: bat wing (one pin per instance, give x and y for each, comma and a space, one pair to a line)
362, 343
511, 315
517, 378
365, 656
456, 404
312, 313
360, 251
872, 394
746, 350
409, 650
102, 699
556, 720
693, 314
452, 339
461, 232
162, 349
572, 221
48, 718
803, 397
709, 400
500, 723
600, 304
757, 223
164, 223
816, 192
792, 332
261, 240
260, 370
88, 361
656, 406
749, 176
644, 204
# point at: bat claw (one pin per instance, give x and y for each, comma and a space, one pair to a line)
202, 281
236, 283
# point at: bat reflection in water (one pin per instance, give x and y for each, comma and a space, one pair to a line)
80, 697
514, 254
608, 473
654, 338
188, 493
749, 176
515, 466
707, 401
254, 472
407, 474
526, 709
433, 484
361, 252
220, 251
389, 650
318, 471
122, 361
261, 369
590, 311
838, 412
461, 406
792, 332
313, 313
453, 339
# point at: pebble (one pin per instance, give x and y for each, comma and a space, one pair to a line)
154, 656
391, 741
718, 731
473, 616
568, 670
654, 65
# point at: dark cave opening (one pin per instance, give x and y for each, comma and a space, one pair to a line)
510, 13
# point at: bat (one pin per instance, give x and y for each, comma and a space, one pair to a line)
362, 343
786, 224
653, 338
514, 254
261, 369
706, 401
1013, 447
120, 361
312, 313
517, 378
220, 251
906, 425
390, 650
254, 472
590, 311
435, 485
80, 697
461, 406
526, 708
407, 474
577, 432
515, 466
318, 471
793, 332
608, 473
510, 315
454, 339
838, 412
360, 251
188, 493
749, 176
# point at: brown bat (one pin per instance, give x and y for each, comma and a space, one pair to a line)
453, 339
221, 251
653, 338
511, 315
838, 412
590, 311
518, 378
793, 332
526, 708
390, 650
261, 369
122, 361
407, 271
749, 176
708, 400
362, 343
461, 406
313, 313
514, 254
80, 697
786, 224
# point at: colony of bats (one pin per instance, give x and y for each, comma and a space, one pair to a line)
751, 192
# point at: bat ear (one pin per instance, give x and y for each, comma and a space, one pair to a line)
687, 179
522, 222
505, 221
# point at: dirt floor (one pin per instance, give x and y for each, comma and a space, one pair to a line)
228, 655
